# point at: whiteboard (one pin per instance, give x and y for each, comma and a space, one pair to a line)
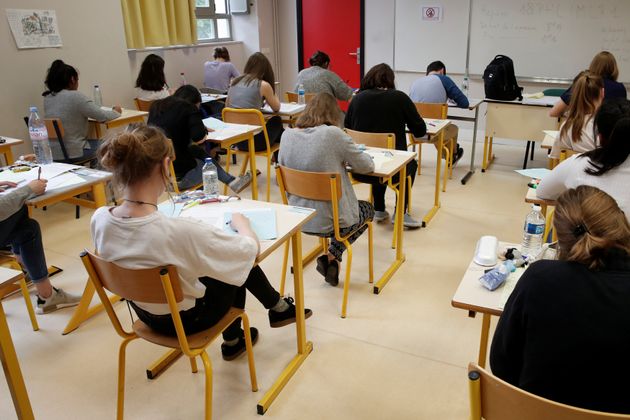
552, 38
417, 43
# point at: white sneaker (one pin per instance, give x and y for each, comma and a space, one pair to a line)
379, 216
411, 223
240, 183
59, 299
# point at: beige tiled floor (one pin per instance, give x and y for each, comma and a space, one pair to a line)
400, 355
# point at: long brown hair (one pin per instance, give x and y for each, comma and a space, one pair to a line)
585, 94
379, 76
321, 110
589, 223
132, 155
257, 67
604, 65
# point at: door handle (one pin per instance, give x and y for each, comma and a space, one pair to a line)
357, 55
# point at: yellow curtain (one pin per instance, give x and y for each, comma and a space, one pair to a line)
159, 23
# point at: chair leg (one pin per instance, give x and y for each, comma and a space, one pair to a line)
408, 201
250, 352
396, 221
283, 274
450, 163
447, 156
227, 168
346, 284
120, 407
193, 365
268, 177
207, 367
419, 158
371, 252
244, 165
29, 304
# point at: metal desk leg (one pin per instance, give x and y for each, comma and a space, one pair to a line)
483, 342
436, 203
471, 171
252, 167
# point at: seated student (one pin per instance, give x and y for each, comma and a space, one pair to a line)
179, 117
25, 238
576, 132
317, 144
380, 108
436, 88
563, 334
249, 90
62, 100
607, 167
219, 73
318, 78
151, 82
216, 268
605, 66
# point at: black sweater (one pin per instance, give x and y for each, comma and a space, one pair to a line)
565, 334
385, 111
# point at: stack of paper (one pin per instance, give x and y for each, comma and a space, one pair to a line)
214, 124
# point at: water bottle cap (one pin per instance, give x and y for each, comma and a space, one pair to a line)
208, 160
95, 86
536, 207
32, 109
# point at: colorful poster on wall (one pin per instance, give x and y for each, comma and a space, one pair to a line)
34, 28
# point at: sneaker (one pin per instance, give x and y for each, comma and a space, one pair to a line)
240, 183
458, 154
411, 223
232, 352
379, 216
280, 319
59, 299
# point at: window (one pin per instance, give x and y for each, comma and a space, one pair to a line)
214, 22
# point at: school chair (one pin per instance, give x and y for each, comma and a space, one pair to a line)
159, 285
322, 186
142, 105
173, 177
384, 141
293, 97
494, 399
251, 117
440, 112
9, 281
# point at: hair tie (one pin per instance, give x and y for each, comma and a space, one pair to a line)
579, 230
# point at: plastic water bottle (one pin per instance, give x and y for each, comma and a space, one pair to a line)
465, 85
182, 79
495, 277
98, 97
301, 94
533, 232
39, 137
210, 179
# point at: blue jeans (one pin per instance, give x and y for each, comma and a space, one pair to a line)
25, 238
195, 176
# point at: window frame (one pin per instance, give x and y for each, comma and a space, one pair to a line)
210, 13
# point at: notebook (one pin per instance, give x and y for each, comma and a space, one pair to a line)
263, 222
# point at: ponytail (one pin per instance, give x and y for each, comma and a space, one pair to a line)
59, 77
586, 91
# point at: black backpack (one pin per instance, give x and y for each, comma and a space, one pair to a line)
500, 81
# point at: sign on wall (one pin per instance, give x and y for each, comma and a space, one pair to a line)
432, 13
34, 28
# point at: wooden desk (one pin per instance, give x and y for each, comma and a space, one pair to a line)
236, 133
397, 165
8, 356
5, 149
127, 117
473, 297
473, 105
516, 120
532, 198
549, 139
435, 129
289, 112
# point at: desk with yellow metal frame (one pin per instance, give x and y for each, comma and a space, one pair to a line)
5, 148
128, 116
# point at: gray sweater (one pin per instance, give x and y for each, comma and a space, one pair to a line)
317, 79
13, 201
74, 109
325, 149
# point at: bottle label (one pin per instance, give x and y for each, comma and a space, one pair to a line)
38, 134
534, 228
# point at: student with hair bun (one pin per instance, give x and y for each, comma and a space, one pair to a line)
564, 333
216, 268
317, 78
219, 73
576, 132
63, 100
606, 167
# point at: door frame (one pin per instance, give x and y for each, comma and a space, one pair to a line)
300, 37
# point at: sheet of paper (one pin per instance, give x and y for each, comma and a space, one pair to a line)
380, 158
214, 123
545, 100
65, 180
263, 222
210, 213
509, 285
285, 108
170, 209
538, 173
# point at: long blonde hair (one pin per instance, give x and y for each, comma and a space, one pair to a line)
585, 95
322, 109
589, 223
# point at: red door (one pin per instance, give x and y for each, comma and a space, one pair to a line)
336, 28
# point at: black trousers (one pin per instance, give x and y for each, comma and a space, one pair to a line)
274, 130
214, 304
25, 238
378, 189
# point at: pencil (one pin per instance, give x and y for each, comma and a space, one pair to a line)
39, 173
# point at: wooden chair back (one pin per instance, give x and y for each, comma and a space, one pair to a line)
494, 399
382, 140
437, 111
244, 116
54, 128
567, 153
309, 185
142, 105
293, 97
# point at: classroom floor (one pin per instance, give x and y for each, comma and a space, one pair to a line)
401, 354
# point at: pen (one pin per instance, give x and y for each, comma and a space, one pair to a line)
39, 173
431, 124
191, 204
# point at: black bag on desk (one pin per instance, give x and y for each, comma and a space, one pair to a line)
499, 80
